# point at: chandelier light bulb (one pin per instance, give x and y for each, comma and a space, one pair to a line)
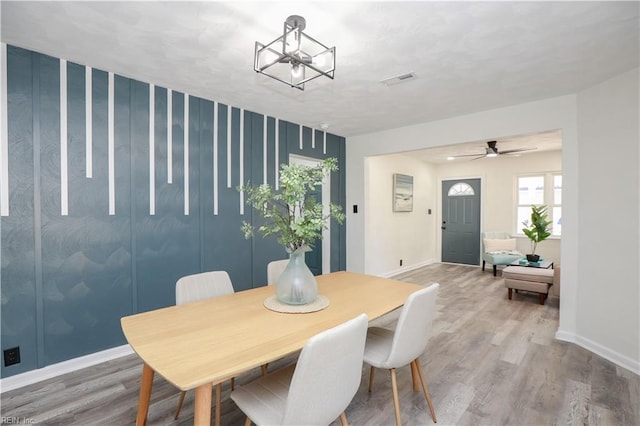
296, 71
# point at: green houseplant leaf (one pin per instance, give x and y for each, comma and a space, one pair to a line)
539, 229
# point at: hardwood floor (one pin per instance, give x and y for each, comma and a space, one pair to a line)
490, 361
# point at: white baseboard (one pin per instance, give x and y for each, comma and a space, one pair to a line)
606, 353
408, 268
34, 376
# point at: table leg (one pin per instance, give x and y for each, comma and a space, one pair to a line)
202, 406
145, 395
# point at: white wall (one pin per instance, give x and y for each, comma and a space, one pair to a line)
409, 236
592, 310
608, 315
549, 114
499, 197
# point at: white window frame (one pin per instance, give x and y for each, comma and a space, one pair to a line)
548, 199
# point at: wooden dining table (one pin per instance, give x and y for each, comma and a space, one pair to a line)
201, 344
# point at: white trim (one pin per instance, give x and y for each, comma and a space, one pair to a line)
277, 157
64, 176
111, 145
169, 136
186, 154
313, 138
152, 149
600, 350
88, 112
64, 367
300, 138
229, 123
4, 135
264, 149
324, 142
241, 159
215, 158
408, 268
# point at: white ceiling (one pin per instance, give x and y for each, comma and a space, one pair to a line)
467, 56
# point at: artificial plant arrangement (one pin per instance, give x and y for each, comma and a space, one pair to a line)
291, 214
295, 217
539, 229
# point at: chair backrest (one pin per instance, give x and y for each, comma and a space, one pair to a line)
493, 236
202, 286
414, 327
274, 270
327, 374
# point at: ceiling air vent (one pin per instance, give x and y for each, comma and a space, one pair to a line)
402, 78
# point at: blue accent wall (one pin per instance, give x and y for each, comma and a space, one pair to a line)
66, 280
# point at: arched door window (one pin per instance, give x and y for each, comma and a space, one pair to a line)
460, 189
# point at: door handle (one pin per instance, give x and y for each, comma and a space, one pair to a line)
443, 227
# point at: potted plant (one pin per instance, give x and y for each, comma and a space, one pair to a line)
539, 229
295, 217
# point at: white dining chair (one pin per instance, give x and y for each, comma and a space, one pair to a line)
192, 288
274, 270
391, 349
317, 389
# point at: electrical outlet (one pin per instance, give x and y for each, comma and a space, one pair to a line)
400, 262
12, 356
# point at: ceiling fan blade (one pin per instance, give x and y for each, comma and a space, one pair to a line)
468, 155
511, 151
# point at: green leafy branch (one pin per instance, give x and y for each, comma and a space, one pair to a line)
292, 213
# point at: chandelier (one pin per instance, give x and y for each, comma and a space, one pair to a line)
294, 58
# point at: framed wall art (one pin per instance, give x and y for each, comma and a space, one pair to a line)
402, 193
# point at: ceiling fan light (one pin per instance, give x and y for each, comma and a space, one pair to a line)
492, 154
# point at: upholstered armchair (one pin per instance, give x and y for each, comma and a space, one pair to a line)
498, 248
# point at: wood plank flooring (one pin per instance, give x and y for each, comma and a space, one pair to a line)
490, 361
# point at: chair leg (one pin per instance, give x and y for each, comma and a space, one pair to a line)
396, 402
264, 367
247, 421
483, 262
510, 292
414, 378
425, 389
371, 379
233, 383
495, 271
343, 419
180, 401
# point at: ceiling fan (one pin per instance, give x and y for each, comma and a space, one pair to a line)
492, 151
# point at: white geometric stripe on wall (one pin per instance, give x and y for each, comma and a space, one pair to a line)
4, 134
169, 136
186, 154
229, 113
264, 149
215, 158
111, 144
64, 179
88, 111
277, 161
324, 142
241, 160
152, 149
300, 138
